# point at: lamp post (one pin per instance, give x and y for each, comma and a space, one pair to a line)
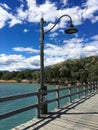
43, 88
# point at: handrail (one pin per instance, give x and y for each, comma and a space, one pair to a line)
86, 89
15, 97
5, 115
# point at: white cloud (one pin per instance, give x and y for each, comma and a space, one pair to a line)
34, 61
21, 14
93, 40
53, 60
91, 7
5, 6
26, 30
14, 21
25, 49
64, 2
18, 62
90, 49
9, 59
50, 25
34, 12
5, 16
71, 49
53, 35
95, 37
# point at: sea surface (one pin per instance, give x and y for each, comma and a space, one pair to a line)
9, 89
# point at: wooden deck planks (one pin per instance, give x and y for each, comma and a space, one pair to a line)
82, 115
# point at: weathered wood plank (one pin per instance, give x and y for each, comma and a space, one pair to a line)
81, 115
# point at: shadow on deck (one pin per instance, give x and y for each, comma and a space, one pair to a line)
57, 119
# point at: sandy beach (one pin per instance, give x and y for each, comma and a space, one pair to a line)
8, 81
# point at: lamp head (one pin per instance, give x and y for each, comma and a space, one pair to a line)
71, 30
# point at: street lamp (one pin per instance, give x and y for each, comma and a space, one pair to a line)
43, 88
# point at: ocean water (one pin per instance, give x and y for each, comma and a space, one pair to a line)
8, 89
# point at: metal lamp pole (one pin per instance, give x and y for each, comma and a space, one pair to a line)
43, 88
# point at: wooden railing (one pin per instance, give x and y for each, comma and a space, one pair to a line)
79, 90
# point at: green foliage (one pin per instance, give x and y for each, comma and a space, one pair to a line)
84, 69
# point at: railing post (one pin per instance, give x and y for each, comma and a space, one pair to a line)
43, 99
87, 88
78, 90
91, 87
38, 102
95, 84
70, 96
84, 88
57, 96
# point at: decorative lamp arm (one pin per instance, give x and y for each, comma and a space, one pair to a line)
58, 22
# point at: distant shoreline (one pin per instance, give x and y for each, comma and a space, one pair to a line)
8, 81
31, 81
15, 81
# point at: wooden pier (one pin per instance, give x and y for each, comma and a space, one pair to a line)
78, 115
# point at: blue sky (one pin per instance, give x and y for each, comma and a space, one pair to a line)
20, 32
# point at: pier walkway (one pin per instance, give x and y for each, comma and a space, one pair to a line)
78, 115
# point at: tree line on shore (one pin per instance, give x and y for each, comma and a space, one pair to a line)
81, 70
